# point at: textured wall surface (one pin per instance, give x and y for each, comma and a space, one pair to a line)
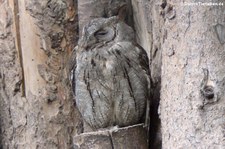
190, 119
37, 109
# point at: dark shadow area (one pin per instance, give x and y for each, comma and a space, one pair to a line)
155, 123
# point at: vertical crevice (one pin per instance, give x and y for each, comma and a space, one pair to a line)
155, 125
18, 44
111, 140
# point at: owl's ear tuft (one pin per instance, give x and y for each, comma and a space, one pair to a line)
122, 13
125, 14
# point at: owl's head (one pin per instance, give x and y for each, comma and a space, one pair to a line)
105, 30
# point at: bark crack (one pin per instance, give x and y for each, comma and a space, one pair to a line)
111, 140
18, 44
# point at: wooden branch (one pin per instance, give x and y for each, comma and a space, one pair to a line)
131, 137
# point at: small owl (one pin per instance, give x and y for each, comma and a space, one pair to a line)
110, 75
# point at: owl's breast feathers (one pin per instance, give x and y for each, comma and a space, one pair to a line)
112, 85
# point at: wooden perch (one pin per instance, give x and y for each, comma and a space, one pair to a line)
131, 137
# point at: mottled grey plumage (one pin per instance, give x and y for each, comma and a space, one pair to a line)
111, 77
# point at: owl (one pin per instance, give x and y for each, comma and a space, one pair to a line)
110, 75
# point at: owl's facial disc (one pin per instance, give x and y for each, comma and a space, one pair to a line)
97, 32
105, 34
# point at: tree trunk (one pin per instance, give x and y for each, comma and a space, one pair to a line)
37, 109
192, 104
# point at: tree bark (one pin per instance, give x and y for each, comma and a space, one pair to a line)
132, 137
190, 117
37, 109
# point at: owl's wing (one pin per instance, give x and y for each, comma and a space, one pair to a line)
143, 58
144, 62
138, 72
